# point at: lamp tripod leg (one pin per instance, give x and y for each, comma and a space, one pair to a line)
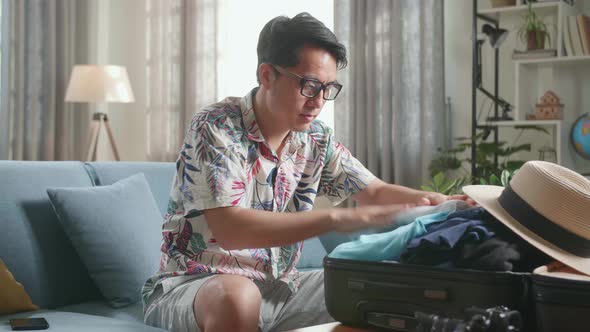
93, 132
96, 125
111, 138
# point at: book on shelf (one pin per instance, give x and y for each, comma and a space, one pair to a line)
534, 54
584, 30
567, 39
576, 35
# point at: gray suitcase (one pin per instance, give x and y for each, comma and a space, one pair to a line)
387, 295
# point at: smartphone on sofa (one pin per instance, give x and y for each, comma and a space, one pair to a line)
28, 324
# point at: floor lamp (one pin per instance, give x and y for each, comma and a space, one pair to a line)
99, 84
496, 36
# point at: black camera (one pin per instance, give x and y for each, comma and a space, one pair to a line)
496, 319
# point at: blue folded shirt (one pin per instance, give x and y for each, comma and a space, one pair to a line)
387, 245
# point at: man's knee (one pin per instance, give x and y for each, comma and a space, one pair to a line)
226, 300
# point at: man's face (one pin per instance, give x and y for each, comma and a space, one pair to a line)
291, 109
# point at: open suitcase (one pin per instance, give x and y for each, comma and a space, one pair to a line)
561, 304
387, 294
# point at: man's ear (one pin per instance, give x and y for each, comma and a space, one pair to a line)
267, 74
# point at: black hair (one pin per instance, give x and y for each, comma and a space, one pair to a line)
282, 39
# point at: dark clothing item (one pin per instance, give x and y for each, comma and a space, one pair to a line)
506, 251
492, 255
473, 239
438, 246
476, 213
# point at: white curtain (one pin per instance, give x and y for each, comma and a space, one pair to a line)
391, 111
182, 57
37, 45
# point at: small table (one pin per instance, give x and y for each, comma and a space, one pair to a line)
330, 327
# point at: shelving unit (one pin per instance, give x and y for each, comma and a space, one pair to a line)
567, 76
520, 8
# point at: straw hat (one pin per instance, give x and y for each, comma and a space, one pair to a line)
547, 205
559, 270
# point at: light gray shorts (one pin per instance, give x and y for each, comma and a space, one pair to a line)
280, 309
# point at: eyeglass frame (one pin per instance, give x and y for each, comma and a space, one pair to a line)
303, 80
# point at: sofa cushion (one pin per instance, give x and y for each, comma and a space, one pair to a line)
159, 176
74, 322
332, 240
132, 312
33, 244
116, 231
13, 297
312, 255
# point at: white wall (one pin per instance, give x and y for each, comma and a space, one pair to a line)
457, 36
127, 47
126, 23
116, 32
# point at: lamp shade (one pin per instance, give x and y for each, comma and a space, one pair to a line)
95, 84
496, 35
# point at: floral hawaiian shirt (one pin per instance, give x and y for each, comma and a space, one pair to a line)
225, 161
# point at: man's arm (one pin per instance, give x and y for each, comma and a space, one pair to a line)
382, 193
241, 228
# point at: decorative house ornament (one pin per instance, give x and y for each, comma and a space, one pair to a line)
549, 107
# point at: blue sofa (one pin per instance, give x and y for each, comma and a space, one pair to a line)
36, 250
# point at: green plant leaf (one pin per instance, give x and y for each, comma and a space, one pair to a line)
514, 165
514, 149
457, 149
530, 127
438, 179
494, 180
505, 177
490, 148
427, 188
448, 187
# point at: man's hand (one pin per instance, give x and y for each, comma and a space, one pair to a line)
438, 198
353, 219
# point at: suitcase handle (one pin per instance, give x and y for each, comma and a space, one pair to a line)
392, 321
400, 290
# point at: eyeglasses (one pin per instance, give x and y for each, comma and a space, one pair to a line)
311, 87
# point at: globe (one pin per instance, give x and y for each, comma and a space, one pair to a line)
581, 135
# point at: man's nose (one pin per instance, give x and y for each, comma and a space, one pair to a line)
318, 100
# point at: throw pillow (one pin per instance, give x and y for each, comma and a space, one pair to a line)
13, 297
116, 230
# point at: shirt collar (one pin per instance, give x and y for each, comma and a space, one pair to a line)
250, 124
296, 140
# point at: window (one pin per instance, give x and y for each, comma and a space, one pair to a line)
240, 23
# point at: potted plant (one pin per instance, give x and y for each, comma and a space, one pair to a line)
447, 171
533, 31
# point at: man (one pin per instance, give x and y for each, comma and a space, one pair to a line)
246, 180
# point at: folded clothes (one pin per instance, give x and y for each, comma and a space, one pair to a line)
388, 245
473, 239
439, 245
410, 215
